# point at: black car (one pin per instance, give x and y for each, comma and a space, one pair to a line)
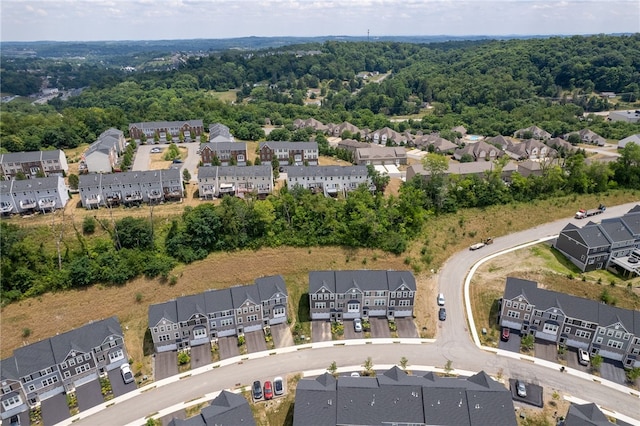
257, 390
442, 314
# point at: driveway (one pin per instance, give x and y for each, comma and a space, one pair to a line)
281, 334
55, 409
228, 347
350, 332
380, 327
165, 365
513, 344
407, 328
255, 341
89, 395
613, 371
200, 355
23, 418
546, 350
321, 331
118, 386
572, 361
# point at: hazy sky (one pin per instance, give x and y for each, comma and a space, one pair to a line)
84, 20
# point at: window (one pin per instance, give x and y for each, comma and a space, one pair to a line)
353, 307
615, 344
199, 333
226, 322
567, 329
87, 357
72, 362
49, 381
321, 305
513, 314
550, 328
404, 303
598, 339
11, 402
31, 388
81, 369
278, 311
117, 355
583, 334
379, 302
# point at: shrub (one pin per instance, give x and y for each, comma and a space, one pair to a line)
88, 225
183, 358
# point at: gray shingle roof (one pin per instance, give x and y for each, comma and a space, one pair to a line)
365, 280
590, 235
9, 369
295, 146
226, 409
241, 294
328, 171
218, 300
271, 286
585, 415
632, 221
106, 179
218, 146
615, 230
167, 310
26, 185
188, 306
396, 397
51, 351
237, 171
30, 156
165, 124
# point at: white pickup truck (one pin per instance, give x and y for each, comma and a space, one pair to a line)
477, 246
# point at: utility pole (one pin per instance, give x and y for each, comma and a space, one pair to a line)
367, 34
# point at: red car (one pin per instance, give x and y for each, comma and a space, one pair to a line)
505, 334
268, 390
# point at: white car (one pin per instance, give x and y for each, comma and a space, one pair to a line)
357, 325
278, 386
521, 389
440, 299
127, 375
156, 150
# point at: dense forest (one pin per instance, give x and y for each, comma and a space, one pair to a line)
489, 86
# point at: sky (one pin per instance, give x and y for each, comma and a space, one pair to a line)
93, 20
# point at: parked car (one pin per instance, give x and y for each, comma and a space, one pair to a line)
440, 299
583, 357
155, 150
127, 375
442, 314
521, 389
357, 325
505, 334
177, 161
257, 390
268, 390
278, 386
355, 374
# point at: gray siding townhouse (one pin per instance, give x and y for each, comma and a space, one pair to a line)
130, 188
388, 136
395, 397
613, 244
166, 131
61, 363
228, 153
32, 163
340, 295
33, 195
480, 151
328, 180
231, 180
227, 408
570, 321
380, 155
203, 318
536, 133
289, 153
102, 155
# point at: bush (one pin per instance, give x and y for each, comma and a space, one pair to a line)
183, 358
88, 225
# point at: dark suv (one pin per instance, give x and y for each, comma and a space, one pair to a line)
257, 390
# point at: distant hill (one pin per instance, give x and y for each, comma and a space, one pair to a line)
94, 49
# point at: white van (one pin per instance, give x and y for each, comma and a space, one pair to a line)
583, 357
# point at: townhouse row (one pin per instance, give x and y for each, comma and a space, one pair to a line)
60, 364
612, 244
334, 295
33, 195
575, 322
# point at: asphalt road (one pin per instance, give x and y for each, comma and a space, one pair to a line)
453, 344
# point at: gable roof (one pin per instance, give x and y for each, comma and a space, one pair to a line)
159, 311
227, 408
616, 230
364, 280
152, 125
500, 140
590, 235
289, 146
235, 171
477, 148
585, 415
30, 156
326, 171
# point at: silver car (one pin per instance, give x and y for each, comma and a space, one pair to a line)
357, 325
521, 389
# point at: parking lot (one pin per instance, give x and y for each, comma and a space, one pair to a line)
89, 395
118, 386
55, 409
281, 334
228, 347
255, 341
200, 355
321, 331
165, 365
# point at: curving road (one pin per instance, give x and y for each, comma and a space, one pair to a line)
453, 343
